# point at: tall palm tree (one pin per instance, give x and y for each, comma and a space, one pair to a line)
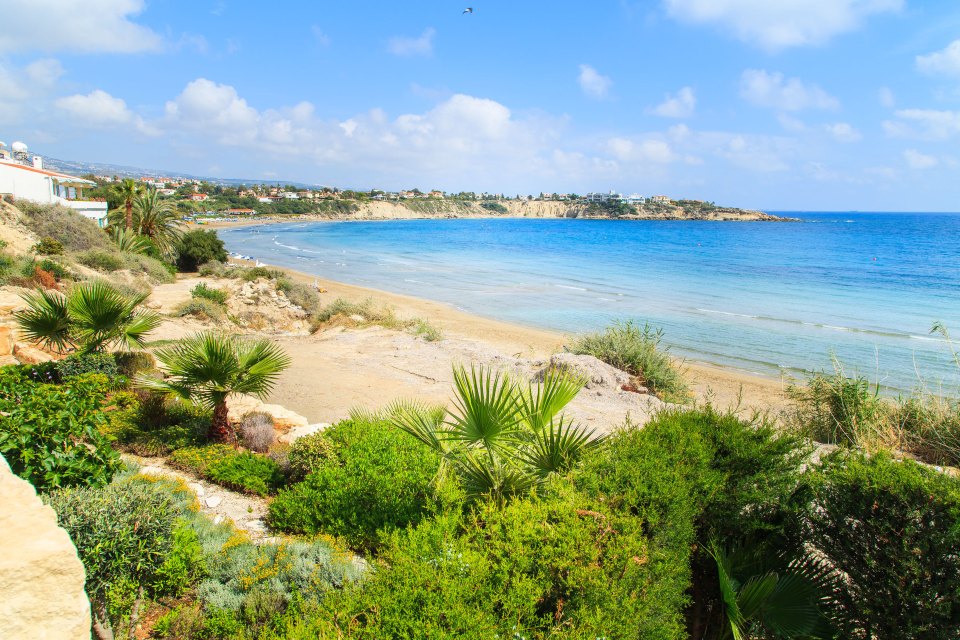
156, 219
208, 368
502, 438
92, 317
128, 190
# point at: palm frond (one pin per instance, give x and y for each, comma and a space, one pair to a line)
557, 447
156, 219
101, 315
129, 241
46, 319
487, 410
542, 402
261, 363
491, 478
135, 332
421, 422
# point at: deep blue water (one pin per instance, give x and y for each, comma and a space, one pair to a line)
761, 297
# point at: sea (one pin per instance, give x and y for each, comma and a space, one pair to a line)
858, 290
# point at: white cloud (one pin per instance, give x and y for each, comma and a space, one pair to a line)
843, 132
917, 160
99, 109
681, 105
647, 151
319, 36
783, 23
21, 89
90, 26
946, 61
924, 124
886, 97
592, 83
789, 123
215, 109
420, 46
772, 90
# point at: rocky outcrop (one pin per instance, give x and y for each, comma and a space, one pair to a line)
598, 374
41, 577
259, 306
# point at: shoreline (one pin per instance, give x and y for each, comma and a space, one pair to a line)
722, 386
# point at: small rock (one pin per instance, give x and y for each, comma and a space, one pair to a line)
213, 502
198, 489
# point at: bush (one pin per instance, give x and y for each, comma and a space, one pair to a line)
495, 207
200, 308
424, 329
124, 534
107, 261
144, 425
379, 482
891, 529
256, 431
48, 247
551, 567
300, 294
204, 292
54, 268
66, 226
82, 364
156, 270
49, 433
627, 346
198, 247
247, 472
309, 453
200, 459
215, 269
133, 363
254, 273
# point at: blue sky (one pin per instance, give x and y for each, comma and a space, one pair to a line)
794, 104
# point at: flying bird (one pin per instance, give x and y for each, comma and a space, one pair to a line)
468, 10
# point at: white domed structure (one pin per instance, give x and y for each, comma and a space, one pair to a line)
19, 147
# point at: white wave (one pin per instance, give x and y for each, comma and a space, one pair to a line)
566, 286
727, 313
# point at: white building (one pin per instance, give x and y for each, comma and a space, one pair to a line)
635, 198
28, 180
603, 197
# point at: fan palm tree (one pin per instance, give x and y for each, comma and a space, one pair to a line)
502, 438
92, 317
127, 190
130, 241
208, 368
156, 219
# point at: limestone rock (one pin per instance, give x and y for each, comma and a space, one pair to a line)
283, 419
300, 432
599, 374
6, 341
26, 354
41, 577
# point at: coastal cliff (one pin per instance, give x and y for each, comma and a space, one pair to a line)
434, 208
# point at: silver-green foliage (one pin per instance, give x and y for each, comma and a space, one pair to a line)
502, 438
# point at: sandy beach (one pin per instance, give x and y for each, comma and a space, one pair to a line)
344, 367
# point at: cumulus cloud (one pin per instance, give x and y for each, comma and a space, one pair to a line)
91, 26
21, 87
781, 24
680, 105
774, 91
917, 160
648, 151
945, 61
99, 109
592, 83
420, 46
924, 124
843, 132
214, 108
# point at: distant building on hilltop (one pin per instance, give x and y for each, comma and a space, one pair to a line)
601, 198
24, 178
660, 199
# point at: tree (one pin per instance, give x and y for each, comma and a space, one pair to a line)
208, 368
197, 247
502, 439
92, 317
156, 219
128, 190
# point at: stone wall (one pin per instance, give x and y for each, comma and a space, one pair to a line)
41, 577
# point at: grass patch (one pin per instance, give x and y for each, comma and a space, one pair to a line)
203, 292
73, 231
106, 261
200, 308
636, 350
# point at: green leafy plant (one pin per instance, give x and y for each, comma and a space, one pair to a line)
248, 472
207, 369
48, 247
156, 219
636, 350
502, 439
310, 452
199, 459
205, 292
129, 241
50, 434
106, 261
197, 247
81, 364
66, 226
200, 308
92, 317
127, 190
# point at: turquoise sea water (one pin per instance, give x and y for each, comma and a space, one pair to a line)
760, 297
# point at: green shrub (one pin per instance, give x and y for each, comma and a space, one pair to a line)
51, 266
254, 273
107, 261
300, 294
248, 472
201, 308
627, 346
495, 207
143, 425
381, 482
215, 269
49, 433
64, 225
198, 247
552, 567
426, 330
835, 409
82, 364
156, 270
124, 534
202, 291
48, 247
891, 529
200, 459
133, 363
928, 426
309, 453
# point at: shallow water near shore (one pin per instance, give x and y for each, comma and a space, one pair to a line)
765, 298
